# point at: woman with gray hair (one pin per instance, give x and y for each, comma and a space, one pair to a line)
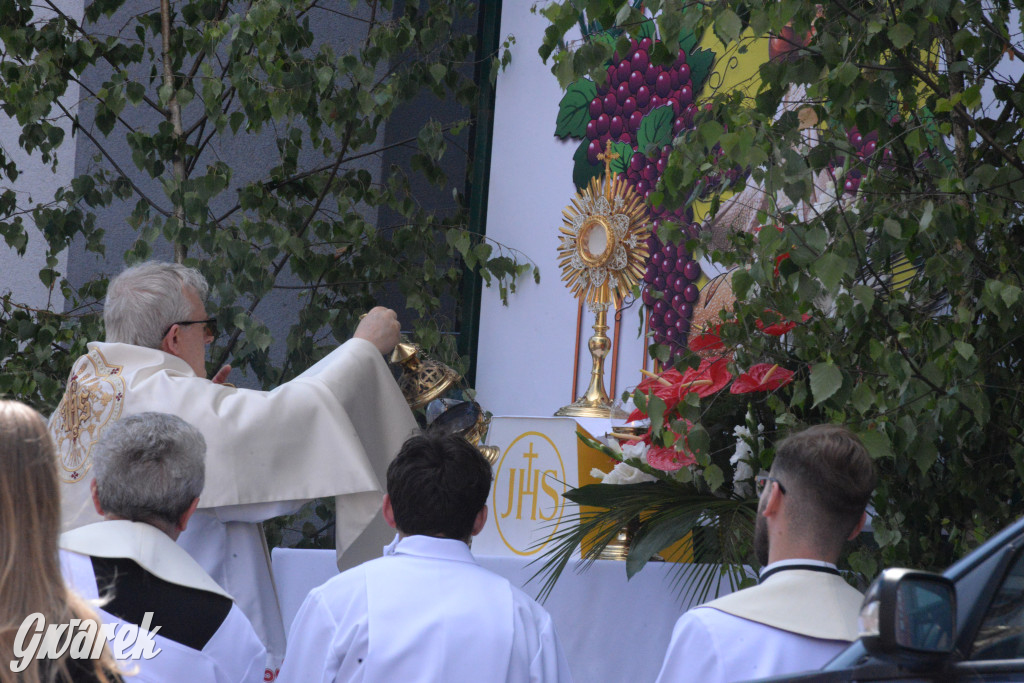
149, 473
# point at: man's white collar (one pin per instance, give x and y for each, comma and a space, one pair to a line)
805, 563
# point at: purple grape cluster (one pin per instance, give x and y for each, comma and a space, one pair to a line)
864, 146
634, 88
674, 274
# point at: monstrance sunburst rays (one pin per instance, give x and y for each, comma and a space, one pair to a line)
603, 249
603, 245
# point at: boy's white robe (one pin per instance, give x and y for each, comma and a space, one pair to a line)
331, 431
426, 611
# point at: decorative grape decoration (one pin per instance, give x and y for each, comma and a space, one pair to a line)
636, 87
864, 146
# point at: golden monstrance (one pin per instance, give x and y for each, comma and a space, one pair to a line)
603, 251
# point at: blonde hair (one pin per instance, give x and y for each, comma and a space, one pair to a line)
30, 575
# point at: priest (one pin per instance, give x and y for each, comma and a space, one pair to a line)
426, 611
802, 612
329, 432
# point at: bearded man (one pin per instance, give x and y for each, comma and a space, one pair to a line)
802, 612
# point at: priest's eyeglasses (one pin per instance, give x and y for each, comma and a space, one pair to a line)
209, 326
761, 481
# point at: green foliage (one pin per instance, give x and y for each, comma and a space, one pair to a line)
720, 530
912, 284
313, 222
309, 220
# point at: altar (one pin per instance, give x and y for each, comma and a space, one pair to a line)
611, 629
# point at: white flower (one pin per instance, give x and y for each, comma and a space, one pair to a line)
626, 474
623, 473
636, 450
741, 461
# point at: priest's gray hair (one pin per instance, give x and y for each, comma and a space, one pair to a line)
144, 300
149, 467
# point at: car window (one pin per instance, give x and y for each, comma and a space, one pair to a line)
1001, 635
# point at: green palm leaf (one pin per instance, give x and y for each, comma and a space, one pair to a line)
663, 513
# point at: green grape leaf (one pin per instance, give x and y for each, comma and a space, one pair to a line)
574, 109
625, 152
655, 129
582, 170
687, 41
700, 62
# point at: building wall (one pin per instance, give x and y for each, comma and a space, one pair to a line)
19, 274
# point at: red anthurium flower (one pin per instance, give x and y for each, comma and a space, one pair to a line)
709, 341
708, 378
780, 328
665, 386
776, 329
761, 377
658, 383
668, 459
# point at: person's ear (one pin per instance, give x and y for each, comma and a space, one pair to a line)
860, 526
773, 505
388, 512
480, 521
170, 343
96, 498
187, 514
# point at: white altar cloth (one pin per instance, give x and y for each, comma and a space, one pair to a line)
611, 629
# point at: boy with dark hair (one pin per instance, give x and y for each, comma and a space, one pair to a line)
426, 611
437, 486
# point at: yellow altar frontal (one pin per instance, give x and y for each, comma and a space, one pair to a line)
539, 459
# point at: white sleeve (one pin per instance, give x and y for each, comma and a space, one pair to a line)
320, 648
692, 655
549, 665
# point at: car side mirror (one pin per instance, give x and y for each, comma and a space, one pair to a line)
909, 616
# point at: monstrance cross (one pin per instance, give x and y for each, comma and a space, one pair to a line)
607, 156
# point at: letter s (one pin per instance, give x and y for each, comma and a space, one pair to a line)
555, 497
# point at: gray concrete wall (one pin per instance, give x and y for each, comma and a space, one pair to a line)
19, 274
249, 158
